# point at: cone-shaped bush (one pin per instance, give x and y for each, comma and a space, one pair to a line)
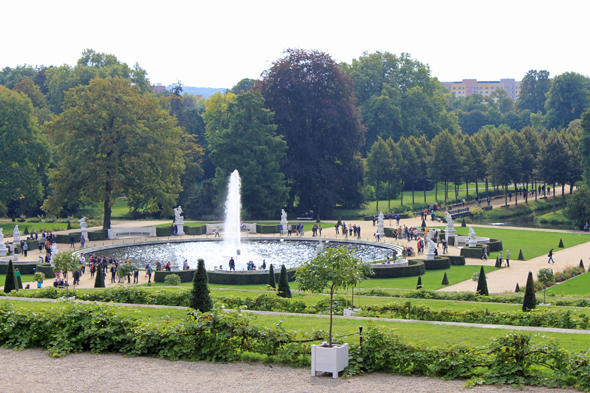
530, 300
445, 280
10, 282
423, 224
498, 264
517, 288
19, 281
69, 225
520, 256
318, 218
582, 265
271, 277
560, 243
26, 232
419, 284
200, 298
99, 279
463, 223
482, 284
284, 290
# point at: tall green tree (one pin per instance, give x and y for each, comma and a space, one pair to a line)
25, 154
251, 146
554, 159
379, 166
315, 111
584, 146
502, 166
567, 99
421, 149
411, 162
394, 177
445, 160
530, 300
283, 290
533, 90
113, 140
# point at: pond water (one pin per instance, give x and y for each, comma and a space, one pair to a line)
289, 253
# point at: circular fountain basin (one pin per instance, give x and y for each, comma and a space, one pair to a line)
291, 252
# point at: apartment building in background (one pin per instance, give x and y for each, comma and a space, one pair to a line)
468, 87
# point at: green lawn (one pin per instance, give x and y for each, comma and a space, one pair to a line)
532, 243
579, 285
422, 333
39, 226
25, 278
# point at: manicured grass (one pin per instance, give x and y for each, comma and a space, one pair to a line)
421, 333
579, 285
39, 226
25, 278
532, 243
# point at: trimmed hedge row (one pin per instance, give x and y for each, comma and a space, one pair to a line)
196, 231
265, 229
438, 263
415, 268
65, 238
456, 260
23, 268
97, 235
475, 252
46, 269
226, 278
163, 231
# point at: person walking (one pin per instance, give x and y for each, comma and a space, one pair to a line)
25, 248
72, 242
507, 258
500, 258
550, 256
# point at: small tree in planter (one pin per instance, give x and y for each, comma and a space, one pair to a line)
125, 270
482, 283
99, 278
335, 268
547, 278
65, 262
39, 277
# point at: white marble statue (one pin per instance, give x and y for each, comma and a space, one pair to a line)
449, 218
177, 215
380, 219
471, 234
1, 235
431, 243
83, 223
16, 234
283, 216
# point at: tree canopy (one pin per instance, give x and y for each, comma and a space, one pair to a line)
111, 139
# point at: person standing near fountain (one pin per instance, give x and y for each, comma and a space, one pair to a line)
232, 264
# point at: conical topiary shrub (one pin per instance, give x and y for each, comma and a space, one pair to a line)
99, 279
582, 265
19, 281
69, 225
26, 232
10, 282
445, 280
560, 243
520, 256
517, 288
318, 219
423, 225
284, 290
271, 277
463, 223
419, 284
200, 298
530, 300
482, 283
498, 264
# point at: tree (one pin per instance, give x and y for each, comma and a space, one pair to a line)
411, 165
284, 290
10, 282
482, 283
445, 162
419, 283
271, 277
99, 278
503, 168
200, 298
315, 111
578, 208
546, 277
125, 269
445, 280
533, 90
421, 149
584, 146
554, 159
25, 154
567, 99
242, 86
335, 268
65, 262
530, 300
251, 146
379, 166
112, 140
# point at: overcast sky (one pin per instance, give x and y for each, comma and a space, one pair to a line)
217, 43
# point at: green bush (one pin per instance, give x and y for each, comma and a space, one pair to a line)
482, 284
10, 283
414, 268
45, 269
172, 279
271, 277
283, 289
163, 231
530, 300
267, 229
99, 278
200, 299
445, 280
419, 284
185, 275
195, 231
96, 235
438, 263
23, 268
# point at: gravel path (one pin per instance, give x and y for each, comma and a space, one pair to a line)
33, 371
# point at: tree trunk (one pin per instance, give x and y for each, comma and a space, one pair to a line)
467, 191
377, 189
487, 191
553, 198
389, 195
424, 187
563, 195
331, 301
476, 189
106, 223
435, 192
413, 193
515, 194
505, 194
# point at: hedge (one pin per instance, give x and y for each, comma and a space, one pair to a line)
456, 260
389, 232
65, 239
196, 231
23, 268
97, 235
471, 252
414, 268
46, 269
163, 231
32, 244
237, 278
438, 263
267, 228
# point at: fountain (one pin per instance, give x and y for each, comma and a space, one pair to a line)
232, 244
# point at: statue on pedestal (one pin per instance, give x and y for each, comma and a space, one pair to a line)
449, 219
83, 223
283, 216
177, 215
16, 234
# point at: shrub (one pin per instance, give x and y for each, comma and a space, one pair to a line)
10, 282
419, 284
482, 284
200, 299
445, 280
582, 265
69, 226
517, 288
520, 256
172, 279
271, 277
284, 290
561, 243
99, 279
530, 300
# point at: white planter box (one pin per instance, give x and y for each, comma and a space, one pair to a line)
328, 360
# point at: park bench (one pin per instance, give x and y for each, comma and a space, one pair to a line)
117, 233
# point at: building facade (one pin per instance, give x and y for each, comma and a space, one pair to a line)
468, 87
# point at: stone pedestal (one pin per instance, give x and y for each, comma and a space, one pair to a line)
3, 249
449, 232
84, 233
174, 266
472, 242
179, 228
53, 250
429, 255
